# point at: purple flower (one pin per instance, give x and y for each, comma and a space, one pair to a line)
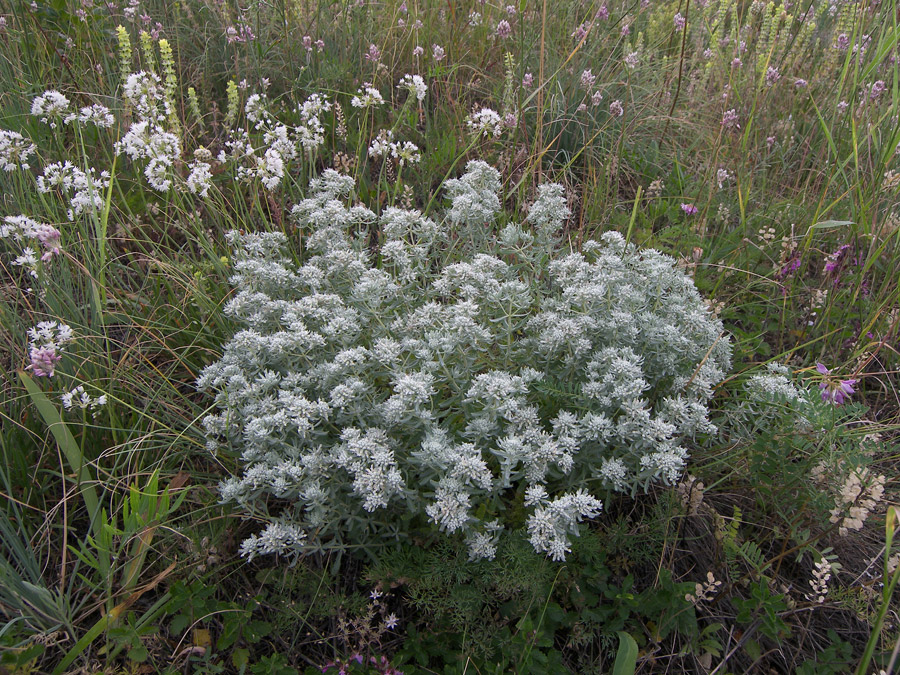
690, 209
877, 89
790, 267
588, 79
504, 30
834, 261
730, 119
49, 238
679, 22
241, 33
374, 54
43, 361
833, 390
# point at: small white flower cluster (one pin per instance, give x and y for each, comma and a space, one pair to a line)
50, 107
416, 383
405, 152
14, 151
415, 85
367, 97
199, 180
144, 140
85, 188
79, 399
281, 143
311, 132
485, 121
50, 334
148, 137
268, 169
147, 95
98, 115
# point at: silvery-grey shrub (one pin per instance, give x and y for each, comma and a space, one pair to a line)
453, 374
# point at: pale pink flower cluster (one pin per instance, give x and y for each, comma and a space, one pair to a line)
46, 345
22, 228
240, 33
308, 44
730, 119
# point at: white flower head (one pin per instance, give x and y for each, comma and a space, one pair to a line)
367, 97
98, 115
415, 85
485, 121
14, 151
50, 107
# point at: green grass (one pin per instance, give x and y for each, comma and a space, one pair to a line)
142, 282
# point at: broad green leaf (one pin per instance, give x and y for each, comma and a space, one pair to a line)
626, 657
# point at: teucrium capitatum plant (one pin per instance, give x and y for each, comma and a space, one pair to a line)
451, 371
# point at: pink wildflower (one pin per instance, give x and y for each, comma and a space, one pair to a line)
43, 361
581, 32
833, 390
730, 119
374, 54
